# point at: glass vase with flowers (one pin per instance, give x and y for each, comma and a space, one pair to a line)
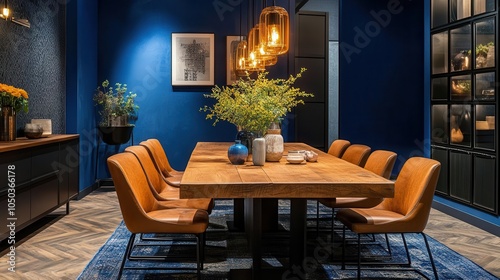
254, 104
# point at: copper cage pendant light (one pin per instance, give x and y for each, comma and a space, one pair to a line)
275, 30
241, 57
256, 51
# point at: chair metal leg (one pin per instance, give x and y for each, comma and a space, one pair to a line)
317, 218
359, 256
127, 253
343, 247
406, 248
388, 245
198, 254
430, 256
333, 224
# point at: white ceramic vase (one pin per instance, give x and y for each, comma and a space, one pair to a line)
274, 145
259, 151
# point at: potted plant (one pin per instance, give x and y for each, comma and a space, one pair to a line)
116, 109
254, 104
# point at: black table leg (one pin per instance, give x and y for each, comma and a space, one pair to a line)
238, 222
298, 215
253, 227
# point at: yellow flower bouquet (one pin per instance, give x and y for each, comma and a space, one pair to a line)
253, 104
16, 98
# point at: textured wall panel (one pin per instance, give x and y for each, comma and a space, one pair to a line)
34, 59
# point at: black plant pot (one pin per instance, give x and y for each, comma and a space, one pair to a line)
115, 135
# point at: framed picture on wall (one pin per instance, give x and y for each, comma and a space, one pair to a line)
231, 46
193, 59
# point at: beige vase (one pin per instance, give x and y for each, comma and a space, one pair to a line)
274, 144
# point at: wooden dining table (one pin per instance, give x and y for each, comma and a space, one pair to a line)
209, 174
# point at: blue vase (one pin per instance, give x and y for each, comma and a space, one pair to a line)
237, 153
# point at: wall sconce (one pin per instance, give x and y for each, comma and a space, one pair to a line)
6, 14
5, 11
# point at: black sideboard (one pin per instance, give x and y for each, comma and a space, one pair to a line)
37, 176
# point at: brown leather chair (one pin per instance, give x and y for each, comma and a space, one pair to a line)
143, 213
160, 160
357, 154
160, 189
407, 212
338, 147
380, 162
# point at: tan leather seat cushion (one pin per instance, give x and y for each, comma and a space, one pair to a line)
349, 202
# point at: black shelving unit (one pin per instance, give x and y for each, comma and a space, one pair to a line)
464, 102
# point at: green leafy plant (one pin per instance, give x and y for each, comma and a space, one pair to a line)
253, 104
482, 50
115, 102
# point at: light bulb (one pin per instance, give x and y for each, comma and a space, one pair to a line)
275, 36
6, 12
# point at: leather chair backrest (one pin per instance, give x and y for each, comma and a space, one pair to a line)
357, 154
414, 191
338, 147
154, 178
159, 156
381, 163
130, 182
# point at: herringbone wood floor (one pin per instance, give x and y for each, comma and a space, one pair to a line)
64, 244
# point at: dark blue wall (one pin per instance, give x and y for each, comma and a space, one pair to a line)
381, 76
81, 82
135, 48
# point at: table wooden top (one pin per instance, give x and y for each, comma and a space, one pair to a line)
210, 174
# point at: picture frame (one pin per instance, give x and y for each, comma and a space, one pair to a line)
193, 59
231, 46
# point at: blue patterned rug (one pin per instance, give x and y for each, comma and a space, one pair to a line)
227, 250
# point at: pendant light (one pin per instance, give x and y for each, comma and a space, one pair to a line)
256, 52
241, 53
254, 62
275, 30
241, 57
